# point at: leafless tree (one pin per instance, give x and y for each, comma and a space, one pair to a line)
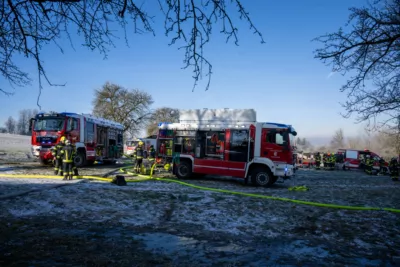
27, 26
338, 140
131, 108
369, 51
11, 125
303, 144
23, 122
354, 142
163, 114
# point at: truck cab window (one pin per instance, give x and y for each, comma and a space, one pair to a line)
239, 145
277, 138
72, 124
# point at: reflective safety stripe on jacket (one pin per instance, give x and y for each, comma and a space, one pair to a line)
68, 154
57, 150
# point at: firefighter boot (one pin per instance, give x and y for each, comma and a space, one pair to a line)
65, 177
61, 173
70, 176
76, 172
55, 171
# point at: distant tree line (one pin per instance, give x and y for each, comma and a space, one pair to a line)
19, 125
384, 143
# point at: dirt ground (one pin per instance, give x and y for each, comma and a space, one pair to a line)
157, 223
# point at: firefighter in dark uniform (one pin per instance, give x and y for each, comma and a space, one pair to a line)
369, 164
74, 168
139, 157
317, 160
68, 155
382, 166
58, 168
332, 161
325, 160
152, 154
394, 169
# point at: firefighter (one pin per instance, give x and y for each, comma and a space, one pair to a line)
332, 161
325, 160
74, 168
394, 169
68, 155
369, 163
317, 161
139, 157
58, 168
152, 154
382, 167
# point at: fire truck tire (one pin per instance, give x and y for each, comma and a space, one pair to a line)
43, 162
262, 176
184, 170
80, 159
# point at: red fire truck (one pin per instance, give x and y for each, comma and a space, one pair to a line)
131, 145
95, 138
353, 159
228, 143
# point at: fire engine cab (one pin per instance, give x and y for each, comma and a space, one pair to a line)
227, 142
95, 138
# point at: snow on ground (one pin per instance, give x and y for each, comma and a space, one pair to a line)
293, 233
14, 142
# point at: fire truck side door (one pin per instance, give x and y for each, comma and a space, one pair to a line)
238, 149
73, 130
272, 145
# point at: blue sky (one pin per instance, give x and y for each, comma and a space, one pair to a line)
280, 79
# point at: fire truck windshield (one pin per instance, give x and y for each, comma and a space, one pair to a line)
49, 124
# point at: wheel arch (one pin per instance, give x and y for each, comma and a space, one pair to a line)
188, 158
260, 162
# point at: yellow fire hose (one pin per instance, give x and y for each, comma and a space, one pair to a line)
150, 177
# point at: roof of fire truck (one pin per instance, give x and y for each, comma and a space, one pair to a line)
88, 117
220, 119
218, 126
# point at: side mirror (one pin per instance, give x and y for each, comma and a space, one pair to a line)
31, 123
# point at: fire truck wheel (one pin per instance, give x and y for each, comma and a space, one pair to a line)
262, 177
43, 162
184, 170
80, 159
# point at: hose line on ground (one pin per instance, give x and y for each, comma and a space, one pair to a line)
150, 177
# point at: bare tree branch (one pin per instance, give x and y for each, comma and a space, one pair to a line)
27, 26
370, 52
131, 108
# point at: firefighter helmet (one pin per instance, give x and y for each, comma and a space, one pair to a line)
62, 139
67, 142
140, 143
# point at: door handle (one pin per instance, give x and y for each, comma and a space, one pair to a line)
265, 152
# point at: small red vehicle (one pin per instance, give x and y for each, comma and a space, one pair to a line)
353, 159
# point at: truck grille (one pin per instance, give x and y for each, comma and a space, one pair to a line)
46, 139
